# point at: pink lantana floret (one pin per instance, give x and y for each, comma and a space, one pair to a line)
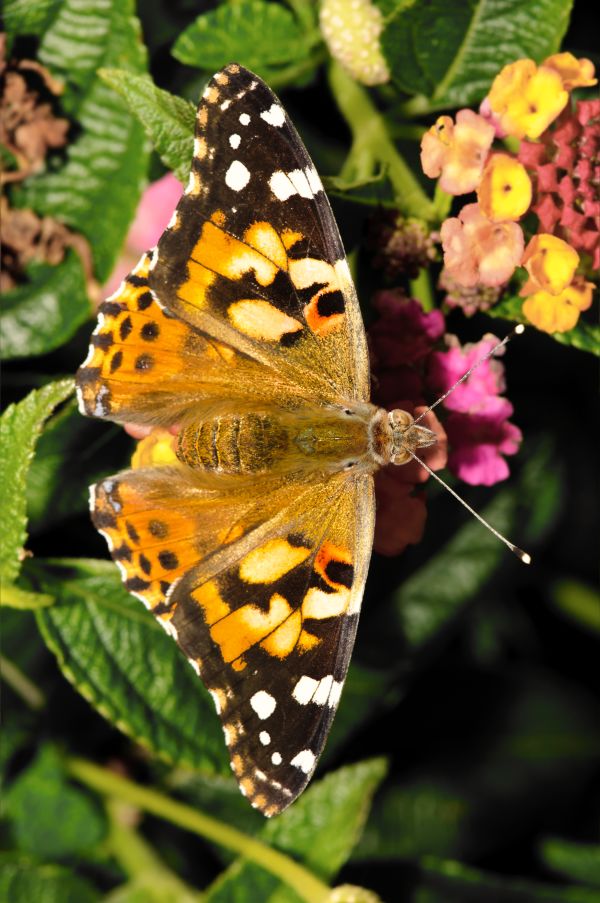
477, 250
478, 443
457, 151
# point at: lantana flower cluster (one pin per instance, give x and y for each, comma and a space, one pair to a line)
554, 175
415, 362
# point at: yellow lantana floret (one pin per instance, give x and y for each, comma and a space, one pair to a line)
504, 192
458, 152
155, 450
558, 313
574, 73
526, 99
551, 264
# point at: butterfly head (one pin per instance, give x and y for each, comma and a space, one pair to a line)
407, 436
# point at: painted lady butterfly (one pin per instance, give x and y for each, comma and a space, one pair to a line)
242, 332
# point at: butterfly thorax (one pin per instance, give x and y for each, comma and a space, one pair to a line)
274, 440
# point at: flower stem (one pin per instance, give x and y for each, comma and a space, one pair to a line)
421, 289
308, 887
21, 684
373, 148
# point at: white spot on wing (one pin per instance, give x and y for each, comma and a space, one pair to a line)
304, 690
304, 760
300, 183
265, 738
217, 702
263, 704
336, 692
281, 186
234, 141
237, 176
276, 758
244, 118
225, 104
275, 116
314, 180
322, 694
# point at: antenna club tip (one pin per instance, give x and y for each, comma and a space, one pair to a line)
524, 556
519, 330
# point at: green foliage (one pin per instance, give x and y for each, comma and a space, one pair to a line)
472, 673
450, 53
49, 818
44, 313
263, 36
20, 427
167, 120
124, 664
23, 880
97, 189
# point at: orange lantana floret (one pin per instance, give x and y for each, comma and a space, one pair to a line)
458, 151
574, 73
558, 313
526, 99
550, 263
505, 189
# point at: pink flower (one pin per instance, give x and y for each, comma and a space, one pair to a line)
478, 442
151, 219
479, 433
458, 151
477, 250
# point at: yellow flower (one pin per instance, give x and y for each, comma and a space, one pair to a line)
505, 189
558, 313
574, 73
551, 264
155, 450
527, 99
352, 32
457, 152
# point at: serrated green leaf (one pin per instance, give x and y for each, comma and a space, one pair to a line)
576, 861
49, 817
23, 881
261, 36
97, 190
319, 830
452, 52
167, 120
117, 656
20, 427
43, 314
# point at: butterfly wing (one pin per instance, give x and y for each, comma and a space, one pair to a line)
262, 593
253, 256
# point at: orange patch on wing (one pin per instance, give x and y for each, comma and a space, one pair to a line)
265, 239
271, 561
195, 289
248, 626
230, 257
211, 602
327, 554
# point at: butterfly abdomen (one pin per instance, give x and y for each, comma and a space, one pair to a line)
275, 441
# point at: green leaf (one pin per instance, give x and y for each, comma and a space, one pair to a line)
452, 52
117, 656
260, 35
20, 427
44, 313
23, 881
97, 190
576, 861
51, 818
320, 830
24, 17
167, 120
432, 595
581, 603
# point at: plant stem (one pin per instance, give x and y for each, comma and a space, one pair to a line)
307, 886
21, 684
15, 597
372, 146
420, 288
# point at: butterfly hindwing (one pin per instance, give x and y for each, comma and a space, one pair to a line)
262, 596
253, 255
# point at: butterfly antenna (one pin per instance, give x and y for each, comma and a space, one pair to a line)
524, 556
518, 330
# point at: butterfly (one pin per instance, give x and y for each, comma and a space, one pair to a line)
241, 333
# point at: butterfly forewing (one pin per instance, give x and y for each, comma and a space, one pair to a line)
245, 306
